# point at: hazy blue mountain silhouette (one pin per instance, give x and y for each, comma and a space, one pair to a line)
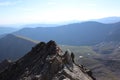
108, 20
86, 33
6, 30
13, 47
114, 35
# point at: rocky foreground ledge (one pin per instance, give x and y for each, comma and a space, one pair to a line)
46, 61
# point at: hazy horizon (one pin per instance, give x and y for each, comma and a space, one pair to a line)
55, 11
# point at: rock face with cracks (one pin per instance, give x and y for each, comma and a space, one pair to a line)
46, 61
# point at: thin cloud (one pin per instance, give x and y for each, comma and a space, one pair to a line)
27, 9
8, 3
51, 3
91, 4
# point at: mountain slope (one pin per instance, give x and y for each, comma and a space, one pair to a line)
86, 33
110, 50
81, 51
112, 64
100, 71
114, 35
46, 61
13, 46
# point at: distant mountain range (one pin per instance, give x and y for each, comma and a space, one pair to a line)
82, 33
13, 46
6, 30
108, 20
86, 33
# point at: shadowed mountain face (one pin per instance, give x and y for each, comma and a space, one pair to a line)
114, 35
46, 61
86, 33
13, 47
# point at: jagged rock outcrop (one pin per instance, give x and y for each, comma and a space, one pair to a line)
46, 61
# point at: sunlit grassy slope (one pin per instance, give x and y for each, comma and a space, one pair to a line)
84, 51
100, 71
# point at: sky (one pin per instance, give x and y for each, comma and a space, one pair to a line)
54, 11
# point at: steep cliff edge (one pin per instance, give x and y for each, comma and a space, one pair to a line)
46, 61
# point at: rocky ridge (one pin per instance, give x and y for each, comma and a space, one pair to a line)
4, 64
46, 61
